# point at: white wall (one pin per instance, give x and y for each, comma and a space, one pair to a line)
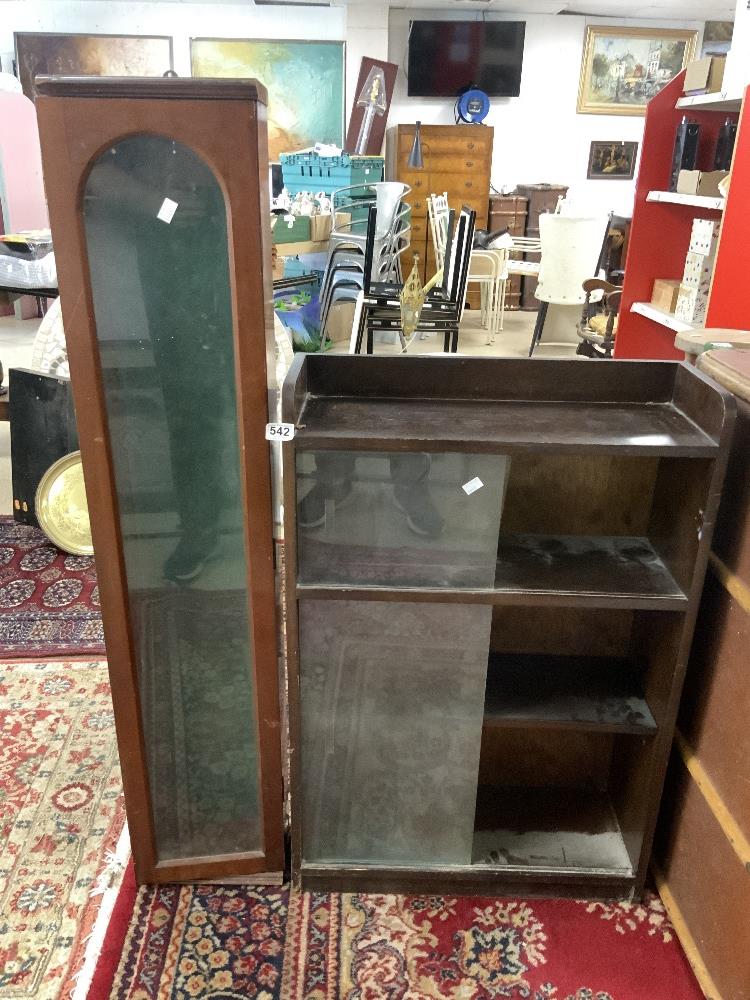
365, 29
737, 74
538, 136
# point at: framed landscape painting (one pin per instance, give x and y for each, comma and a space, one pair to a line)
623, 68
304, 80
612, 161
48, 54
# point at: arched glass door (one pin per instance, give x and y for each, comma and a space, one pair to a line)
156, 235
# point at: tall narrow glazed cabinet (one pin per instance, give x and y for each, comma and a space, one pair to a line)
159, 207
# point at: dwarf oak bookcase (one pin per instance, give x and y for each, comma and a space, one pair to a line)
162, 239
490, 606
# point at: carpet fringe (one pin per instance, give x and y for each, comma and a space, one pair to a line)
107, 886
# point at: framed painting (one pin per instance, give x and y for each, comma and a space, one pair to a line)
612, 161
304, 80
717, 38
47, 54
623, 68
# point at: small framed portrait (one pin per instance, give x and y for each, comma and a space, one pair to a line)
612, 161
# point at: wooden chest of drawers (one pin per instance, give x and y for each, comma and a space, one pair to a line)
509, 212
457, 160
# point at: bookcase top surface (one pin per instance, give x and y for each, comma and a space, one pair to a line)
494, 404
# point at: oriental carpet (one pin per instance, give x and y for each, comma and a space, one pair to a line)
368, 946
212, 942
61, 816
49, 601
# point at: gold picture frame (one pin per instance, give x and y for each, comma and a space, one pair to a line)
623, 68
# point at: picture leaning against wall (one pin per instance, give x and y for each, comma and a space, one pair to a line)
304, 80
49, 54
623, 68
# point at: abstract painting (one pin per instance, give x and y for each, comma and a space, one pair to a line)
42, 53
623, 68
304, 80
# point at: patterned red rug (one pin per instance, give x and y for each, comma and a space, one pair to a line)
49, 601
201, 941
61, 816
227, 943
446, 948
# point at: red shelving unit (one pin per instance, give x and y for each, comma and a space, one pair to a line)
660, 232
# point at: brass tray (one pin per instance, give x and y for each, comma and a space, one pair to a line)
61, 506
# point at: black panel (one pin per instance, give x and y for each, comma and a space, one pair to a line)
445, 57
42, 429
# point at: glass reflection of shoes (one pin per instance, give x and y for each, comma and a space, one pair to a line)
190, 556
422, 515
311, 510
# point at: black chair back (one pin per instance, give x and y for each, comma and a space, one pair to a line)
445, 284
372, 217
463, 252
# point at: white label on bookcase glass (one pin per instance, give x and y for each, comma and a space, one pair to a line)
472, 486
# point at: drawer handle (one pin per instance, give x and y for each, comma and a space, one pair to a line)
469, 184
417, 204
469, 145
469, 163
417, 184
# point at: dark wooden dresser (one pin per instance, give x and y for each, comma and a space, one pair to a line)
509, 212
703, 844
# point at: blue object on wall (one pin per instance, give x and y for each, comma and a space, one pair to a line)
473, 106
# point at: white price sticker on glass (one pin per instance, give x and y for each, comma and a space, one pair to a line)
167, 210
279, 432
472, 486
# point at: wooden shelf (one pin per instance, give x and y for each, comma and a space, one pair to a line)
501, 426
694, 200
618, 565
583, 573
555, 829
542, 571
710, 102
565, 692
663, 318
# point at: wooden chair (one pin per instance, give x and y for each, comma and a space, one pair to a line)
598, 324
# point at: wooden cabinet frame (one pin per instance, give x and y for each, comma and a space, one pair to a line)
223, 122
534, 411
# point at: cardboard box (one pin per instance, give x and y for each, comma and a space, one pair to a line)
664, 294
698, 271
340, 319
692, 304
320, 227
704, 237
705, 76
702, 182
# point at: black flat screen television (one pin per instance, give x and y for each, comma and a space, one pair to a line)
445, 57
